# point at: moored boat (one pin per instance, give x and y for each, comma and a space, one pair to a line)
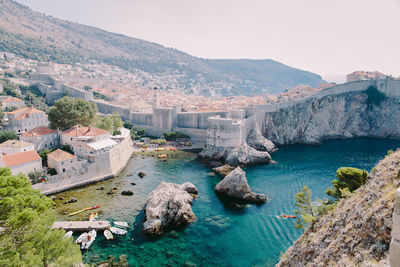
288, 216
85, 209
91, 236
118, 231
108, 235
121, 224
93, 217
163, 156
81, 238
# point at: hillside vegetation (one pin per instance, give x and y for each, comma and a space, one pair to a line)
37, 36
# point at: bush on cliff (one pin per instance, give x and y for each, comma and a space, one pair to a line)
375, 97
26, 236
348, 179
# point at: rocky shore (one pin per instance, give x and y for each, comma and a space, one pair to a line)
358, 231
169, 205
235, 185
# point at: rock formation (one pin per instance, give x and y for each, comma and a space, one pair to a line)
169, 205
224, 169
240, 155
257, 141
338, 116
235, 185
358, 231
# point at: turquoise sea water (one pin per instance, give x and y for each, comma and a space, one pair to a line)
225, 234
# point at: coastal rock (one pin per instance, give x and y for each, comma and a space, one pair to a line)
169, 205
336, 116
224, 169
235, 156
257, 141
235, 185
127, 193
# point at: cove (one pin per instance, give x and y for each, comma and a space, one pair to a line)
225, 234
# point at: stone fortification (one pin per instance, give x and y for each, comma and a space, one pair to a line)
358, 231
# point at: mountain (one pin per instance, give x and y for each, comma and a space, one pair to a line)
37, 36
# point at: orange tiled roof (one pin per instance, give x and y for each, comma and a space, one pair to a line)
77, 131
24, 112
60, 155
39, 131
20, 158
12, 99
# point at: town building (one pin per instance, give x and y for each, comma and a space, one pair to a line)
9, 103
365, 75
62, 161
23, 162
15, 146
42, 137
84, 139
25, 119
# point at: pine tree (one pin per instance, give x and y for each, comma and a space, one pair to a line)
305, 211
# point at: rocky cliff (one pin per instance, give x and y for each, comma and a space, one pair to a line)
358, 231
355, 114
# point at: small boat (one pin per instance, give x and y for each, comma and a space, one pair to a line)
91, 236
163, 156
118, 231
93, 217
288, 216
121, 224
108, 234
81, 238
85, 209
68, 234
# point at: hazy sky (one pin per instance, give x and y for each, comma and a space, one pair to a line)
326, 37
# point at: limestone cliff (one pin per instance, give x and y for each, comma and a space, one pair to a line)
339, 116
358, 231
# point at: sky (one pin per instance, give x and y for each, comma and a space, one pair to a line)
330, 38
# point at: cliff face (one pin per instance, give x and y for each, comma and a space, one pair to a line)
339, 116
358, 231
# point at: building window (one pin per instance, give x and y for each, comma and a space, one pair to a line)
63, 170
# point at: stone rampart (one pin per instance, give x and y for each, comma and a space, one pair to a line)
108, 108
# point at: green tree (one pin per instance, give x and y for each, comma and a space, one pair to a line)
69, 111
26, 217
1, 117
348, 180
7, 135
137, 133
111, 123
306, 210
34, 176
43, 154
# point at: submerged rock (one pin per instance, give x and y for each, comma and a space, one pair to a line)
127, 193
235, 185
235, 156
169, 205
141, 174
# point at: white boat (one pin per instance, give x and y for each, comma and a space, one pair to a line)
121, 224
89, 239
108, 234
118, 231
69, 234
81, 238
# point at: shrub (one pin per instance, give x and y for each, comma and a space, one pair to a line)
172, 136
390, 152
52, 171
350, 178
35, 176
375, 97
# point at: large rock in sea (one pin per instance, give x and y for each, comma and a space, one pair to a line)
235, 156
169, 205
235, 185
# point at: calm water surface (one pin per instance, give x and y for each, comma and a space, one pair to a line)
225, 234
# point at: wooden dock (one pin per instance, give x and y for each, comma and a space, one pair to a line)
81, 226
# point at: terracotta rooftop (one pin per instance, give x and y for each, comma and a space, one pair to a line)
77, 131
15, 143
20, 158
24, 112
39, 131
60, 155
12, 99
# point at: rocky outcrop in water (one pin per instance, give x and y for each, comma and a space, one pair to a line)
235, 185
257, 141
224, 169
169, 205
358, 231
235, 156
338, 116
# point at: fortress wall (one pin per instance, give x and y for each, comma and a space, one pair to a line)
390, 88
76, 92
164, 118
108, 108
138, 118
197, 120
225, 132
196, 135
